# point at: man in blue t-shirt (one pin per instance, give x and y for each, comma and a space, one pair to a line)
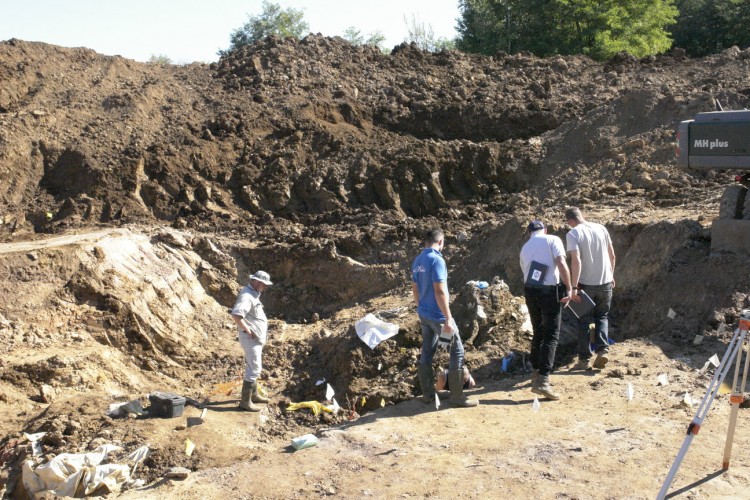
430, 290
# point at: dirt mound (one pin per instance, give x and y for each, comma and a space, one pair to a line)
296, 128
322, 163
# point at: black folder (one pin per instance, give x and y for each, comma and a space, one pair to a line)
537, 272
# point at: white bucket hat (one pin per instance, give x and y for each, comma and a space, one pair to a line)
261, 276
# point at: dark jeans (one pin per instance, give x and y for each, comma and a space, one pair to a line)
545, 312
602, 297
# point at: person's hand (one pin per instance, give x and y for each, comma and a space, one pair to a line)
447, 332
450, 326
574, 297
613, 282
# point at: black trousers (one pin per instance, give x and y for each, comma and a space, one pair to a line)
545, 311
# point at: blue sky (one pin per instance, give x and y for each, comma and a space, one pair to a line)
193, 30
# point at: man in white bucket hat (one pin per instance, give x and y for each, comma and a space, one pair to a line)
252, 330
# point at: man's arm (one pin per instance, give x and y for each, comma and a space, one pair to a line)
415, 293
611, 252
575, 268
562, 267
442, 299
240, 321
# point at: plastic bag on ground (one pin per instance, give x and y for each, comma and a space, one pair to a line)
68, 473
122, 409
306, 441
372, 331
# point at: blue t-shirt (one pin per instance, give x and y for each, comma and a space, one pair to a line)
428, 268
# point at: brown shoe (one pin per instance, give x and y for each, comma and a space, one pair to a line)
581, 365
601, 360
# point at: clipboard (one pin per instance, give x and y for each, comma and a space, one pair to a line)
583, 307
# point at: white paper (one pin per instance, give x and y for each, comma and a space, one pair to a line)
36, 446
320, 382
34, 437
380, 366
687, 399
535, 406
335, 407
437, 402
671, 314
329, 392
629, 392
662, 379
714, 360
373, 331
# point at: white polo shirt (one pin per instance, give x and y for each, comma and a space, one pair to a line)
543, 248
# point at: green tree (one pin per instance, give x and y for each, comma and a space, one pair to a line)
709, 26
355, 37
424, 36
599, 28
272, 21
160, 59
482, 27
637, 27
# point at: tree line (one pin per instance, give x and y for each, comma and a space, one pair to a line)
602, 28
597, 28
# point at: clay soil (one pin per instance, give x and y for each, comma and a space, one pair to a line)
135, 199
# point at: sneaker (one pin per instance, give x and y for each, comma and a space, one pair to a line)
601, 360
581, 365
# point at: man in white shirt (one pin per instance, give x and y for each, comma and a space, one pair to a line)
543, 265
592, 268
252, 330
